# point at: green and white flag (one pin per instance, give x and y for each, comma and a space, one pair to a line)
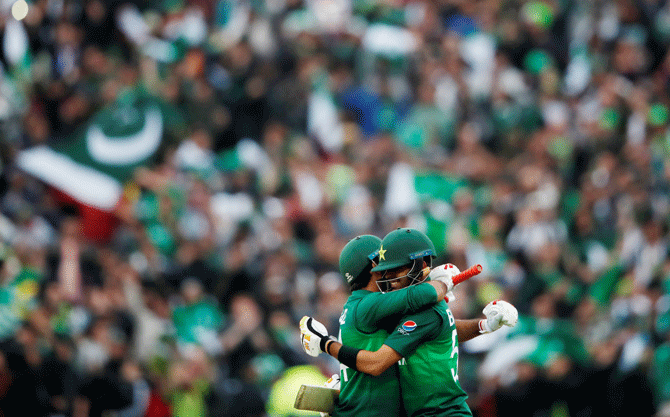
93, 166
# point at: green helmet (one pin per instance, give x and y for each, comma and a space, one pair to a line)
356, 257
402, 247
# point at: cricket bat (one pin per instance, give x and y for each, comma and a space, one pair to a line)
467, 274
463, 276
316, 398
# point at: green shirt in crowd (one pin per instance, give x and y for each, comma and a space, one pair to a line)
190, 402
429, 384
196, 321
366, 320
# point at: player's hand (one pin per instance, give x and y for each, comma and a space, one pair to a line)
498, 313
445, 273
334, 383
313, 336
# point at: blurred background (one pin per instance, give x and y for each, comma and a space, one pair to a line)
178, 178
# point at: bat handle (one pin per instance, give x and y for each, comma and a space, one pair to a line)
465, 275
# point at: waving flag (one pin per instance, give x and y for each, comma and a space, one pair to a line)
93, 166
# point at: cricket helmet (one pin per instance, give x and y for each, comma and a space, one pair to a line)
402, 247
357, 256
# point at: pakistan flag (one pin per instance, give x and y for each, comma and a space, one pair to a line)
93, 166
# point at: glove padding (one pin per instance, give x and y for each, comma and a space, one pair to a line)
445, 273
313, 336
498, 313
334, 383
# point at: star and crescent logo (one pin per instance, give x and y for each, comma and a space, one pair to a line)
129, 149
382, 251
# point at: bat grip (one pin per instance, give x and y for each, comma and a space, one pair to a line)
467, 274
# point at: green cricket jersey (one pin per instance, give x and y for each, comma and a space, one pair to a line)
364, 324
429, 384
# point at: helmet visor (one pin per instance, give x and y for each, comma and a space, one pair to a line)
402, 276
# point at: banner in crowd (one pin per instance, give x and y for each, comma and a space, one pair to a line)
92, 166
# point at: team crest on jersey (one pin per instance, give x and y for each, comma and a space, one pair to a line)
407, 327
343, 316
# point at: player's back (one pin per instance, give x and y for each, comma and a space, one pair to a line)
429, 377
363, 395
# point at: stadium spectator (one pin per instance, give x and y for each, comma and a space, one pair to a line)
168, 156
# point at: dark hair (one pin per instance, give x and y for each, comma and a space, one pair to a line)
360, 281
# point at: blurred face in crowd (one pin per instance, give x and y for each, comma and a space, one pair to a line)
156, 303
98, 301
559, 368
652, 231
95, 10
244, 309
192, 291
544, 306
53, 295
26, 336
526, 371
63, 350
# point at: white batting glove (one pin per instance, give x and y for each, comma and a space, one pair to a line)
334, 383
445, 273
313, 336
498, 313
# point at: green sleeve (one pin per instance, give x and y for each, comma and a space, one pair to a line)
413, 330
378, 307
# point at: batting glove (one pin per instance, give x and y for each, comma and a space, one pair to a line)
445, 273
314, 336
334, 383
498, 313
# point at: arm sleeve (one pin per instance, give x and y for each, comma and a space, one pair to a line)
377, 307
414, 330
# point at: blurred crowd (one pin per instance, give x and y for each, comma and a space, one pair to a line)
529, 136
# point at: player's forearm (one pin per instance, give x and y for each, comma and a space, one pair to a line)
405, 301
467, 329
333, 348
440, 289
372, 363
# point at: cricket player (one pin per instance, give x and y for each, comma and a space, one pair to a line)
425, 343
367, 318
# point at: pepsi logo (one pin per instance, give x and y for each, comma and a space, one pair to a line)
408, 326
